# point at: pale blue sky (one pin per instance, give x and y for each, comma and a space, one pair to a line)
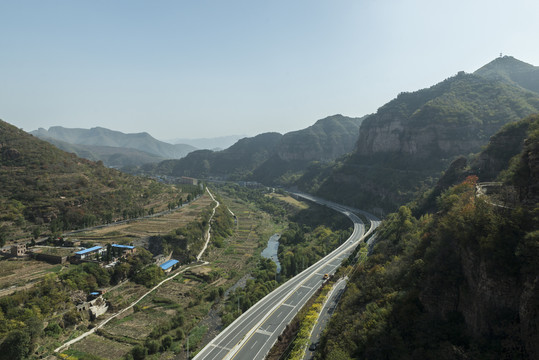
209, 68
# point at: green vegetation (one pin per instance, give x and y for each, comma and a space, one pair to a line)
311, 234
22, 314
405, 146
186, 242
303, 337
450, 285
255, 289
234, 162
45, 190
270, 158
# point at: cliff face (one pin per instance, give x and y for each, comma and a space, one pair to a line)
405, 146
452, 118
499, 306
326, 140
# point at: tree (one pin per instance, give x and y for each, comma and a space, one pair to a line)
152, 346
166, 342
139, 352
16, 346
3, 234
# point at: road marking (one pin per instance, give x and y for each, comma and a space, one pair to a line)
264, 332
306, 287
220, 347
252, 346
292, 306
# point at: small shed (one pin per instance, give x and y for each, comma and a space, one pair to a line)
122, 249
168, 265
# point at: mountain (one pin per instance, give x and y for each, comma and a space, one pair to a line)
271, 158
46, 190
99, 136
116, 157
512, 71
324, 141
408, 142
216, 143
234, 162
460, 282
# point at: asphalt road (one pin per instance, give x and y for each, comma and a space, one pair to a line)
251, 336
325, 315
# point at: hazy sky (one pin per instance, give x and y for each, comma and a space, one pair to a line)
199, 68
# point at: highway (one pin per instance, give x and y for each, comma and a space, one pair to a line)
251, 336
325, 315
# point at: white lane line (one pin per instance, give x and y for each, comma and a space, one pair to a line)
220, 347
264, 332
252, 346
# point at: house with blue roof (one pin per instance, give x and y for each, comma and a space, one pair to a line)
121, 250
90, 252
169, 265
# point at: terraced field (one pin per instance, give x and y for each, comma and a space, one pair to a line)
188, 293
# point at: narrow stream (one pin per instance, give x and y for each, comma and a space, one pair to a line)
270, 252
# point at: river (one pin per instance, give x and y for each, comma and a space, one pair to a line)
270, 252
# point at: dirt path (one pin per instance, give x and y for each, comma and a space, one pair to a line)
71, 342
208, 235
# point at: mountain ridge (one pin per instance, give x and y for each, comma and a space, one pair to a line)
410, 140
99, 136
280, 156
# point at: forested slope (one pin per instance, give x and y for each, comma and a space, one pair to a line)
458, 283
48, 190
403, 148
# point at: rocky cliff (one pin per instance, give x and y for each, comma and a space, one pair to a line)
326, 140
454, 117
404, 147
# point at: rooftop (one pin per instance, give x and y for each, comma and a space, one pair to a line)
123, 246
89, 250
168, 264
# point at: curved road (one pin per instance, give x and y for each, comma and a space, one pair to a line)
251, 336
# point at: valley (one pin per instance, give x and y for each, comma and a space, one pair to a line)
163, 259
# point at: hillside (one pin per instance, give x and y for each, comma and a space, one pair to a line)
271, 158
99, 136
45, 189
459, 284
233, 163
116, 157
325, 141
404, 146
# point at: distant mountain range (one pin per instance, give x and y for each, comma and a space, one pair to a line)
271, 158
376, 162
216, 143
47, 190
93, 139
117, 157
